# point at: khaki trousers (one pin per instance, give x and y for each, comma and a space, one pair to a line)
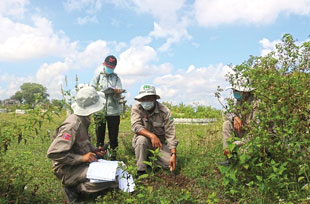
141, 145
75, 176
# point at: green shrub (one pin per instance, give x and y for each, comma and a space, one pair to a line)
275, 161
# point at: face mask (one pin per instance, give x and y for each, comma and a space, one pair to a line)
108, 70
147, 105
237, 95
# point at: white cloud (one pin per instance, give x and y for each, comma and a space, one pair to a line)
13, 8
87, 19
192, 86
135, 61
1, 91
90, 6
174, 34
121, 3
117, 46
92, 55
140, 41
171, 19
161, 9
52, 75
216, 12
268, 46
137, 64
13, 84
20, 41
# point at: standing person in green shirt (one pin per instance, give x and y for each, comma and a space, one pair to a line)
110, 84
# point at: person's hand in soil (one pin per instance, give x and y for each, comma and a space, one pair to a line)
172, 162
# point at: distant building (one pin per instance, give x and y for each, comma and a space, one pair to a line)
3, 110
20, 111
10, 102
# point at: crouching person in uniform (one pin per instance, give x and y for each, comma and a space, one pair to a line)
237, 122
153, 125
71, 150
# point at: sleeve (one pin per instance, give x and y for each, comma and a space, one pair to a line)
170, 135
136, 120
230, 115
95, 81
61, 148
118, 85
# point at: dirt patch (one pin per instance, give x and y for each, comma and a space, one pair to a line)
172, 180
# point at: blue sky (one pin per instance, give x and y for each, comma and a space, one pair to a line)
183, 47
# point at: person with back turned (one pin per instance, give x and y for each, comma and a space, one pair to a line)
71, 150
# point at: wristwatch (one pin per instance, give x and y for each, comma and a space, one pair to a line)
173, 153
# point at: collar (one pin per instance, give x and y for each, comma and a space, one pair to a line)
85, 120
156, 110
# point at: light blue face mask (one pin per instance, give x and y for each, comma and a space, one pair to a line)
147, 105
108, 70
237, 95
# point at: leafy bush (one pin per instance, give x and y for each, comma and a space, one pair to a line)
19, 184
275, 161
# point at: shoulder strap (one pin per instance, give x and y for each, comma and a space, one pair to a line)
98, 77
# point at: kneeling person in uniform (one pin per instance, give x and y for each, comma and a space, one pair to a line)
71, 150
153, 125
236, 123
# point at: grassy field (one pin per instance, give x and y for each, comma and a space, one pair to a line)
27, 176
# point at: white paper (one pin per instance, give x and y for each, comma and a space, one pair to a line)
125, 181
102, 170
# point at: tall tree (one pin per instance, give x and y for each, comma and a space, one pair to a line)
29, 92
18, 96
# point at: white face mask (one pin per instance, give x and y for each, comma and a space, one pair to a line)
147, 105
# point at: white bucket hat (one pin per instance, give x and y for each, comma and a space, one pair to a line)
87, 101
147, 90
241, 84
